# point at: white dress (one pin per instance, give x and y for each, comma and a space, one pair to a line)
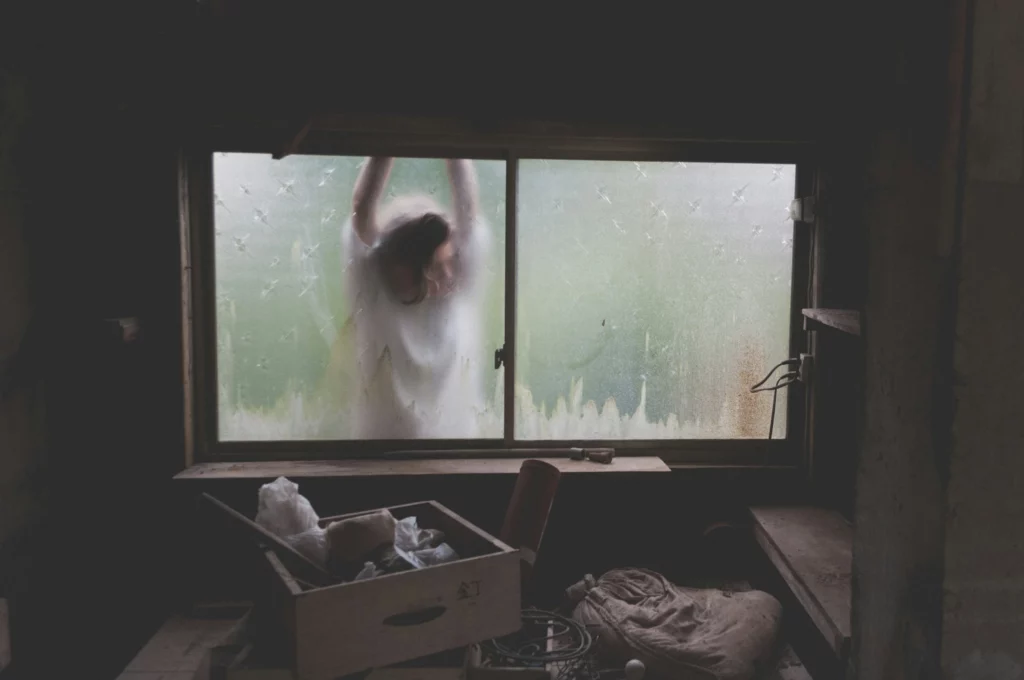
418, 366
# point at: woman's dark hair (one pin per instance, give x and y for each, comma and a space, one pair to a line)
412, 244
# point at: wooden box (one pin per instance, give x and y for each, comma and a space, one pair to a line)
336, 630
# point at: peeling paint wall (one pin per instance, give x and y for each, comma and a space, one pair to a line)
983, 627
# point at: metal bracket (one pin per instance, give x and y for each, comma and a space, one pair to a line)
802, 209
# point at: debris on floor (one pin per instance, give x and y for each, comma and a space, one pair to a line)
355, 548
675, 631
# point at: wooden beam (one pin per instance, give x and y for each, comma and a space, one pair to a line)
845, 320
419, 467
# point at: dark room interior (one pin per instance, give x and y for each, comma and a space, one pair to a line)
879, 511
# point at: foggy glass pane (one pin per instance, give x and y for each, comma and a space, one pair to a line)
290, 359
651, 297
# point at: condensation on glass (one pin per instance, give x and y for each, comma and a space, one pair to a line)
288, 354
651, 297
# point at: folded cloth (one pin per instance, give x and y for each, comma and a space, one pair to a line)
678, 633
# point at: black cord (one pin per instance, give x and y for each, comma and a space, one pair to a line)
787, 362
775, 399
784, 380
520, 649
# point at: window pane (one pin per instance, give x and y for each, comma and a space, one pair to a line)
651, 297
311, 341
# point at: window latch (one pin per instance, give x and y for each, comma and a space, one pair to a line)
499, 357
802, 209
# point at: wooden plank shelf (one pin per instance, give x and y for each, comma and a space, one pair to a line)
812, 549
844, 320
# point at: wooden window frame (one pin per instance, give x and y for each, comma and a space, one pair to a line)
416, 138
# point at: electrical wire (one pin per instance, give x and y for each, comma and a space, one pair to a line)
787, 362
784, 380
775, 398
529, 646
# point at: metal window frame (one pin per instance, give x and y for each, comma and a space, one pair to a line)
199, 304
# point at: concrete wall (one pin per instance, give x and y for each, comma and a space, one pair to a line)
907, 171
939, 546
983, 632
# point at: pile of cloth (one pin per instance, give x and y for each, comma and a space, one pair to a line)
679, 633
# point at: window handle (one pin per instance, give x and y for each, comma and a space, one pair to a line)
499, 357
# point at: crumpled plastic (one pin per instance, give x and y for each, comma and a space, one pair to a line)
312, 544
283, 510
287, 513
369, 570
421, 547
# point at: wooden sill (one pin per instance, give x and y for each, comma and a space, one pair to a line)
421, 467
812, 549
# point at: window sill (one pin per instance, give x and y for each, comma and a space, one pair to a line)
410, 468
812, 549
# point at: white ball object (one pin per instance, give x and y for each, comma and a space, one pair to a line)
635, 669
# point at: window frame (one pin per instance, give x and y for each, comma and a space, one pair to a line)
196, 206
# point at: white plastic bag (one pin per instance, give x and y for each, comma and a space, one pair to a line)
431, 556
311, 543
283, 510
369, 570
421, 547
408, 535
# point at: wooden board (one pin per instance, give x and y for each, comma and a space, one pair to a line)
812, 550
245, 662
845, 320
467, 600
381, 468
181, 648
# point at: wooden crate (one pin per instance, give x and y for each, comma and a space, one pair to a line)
341, 629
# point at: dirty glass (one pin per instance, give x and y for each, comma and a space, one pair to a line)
651, 297
288, 349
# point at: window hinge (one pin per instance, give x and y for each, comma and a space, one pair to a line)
802, 209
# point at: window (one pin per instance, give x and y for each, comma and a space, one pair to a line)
651, 297
288, 352
644, 299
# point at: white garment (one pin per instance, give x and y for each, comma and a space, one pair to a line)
418, 365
